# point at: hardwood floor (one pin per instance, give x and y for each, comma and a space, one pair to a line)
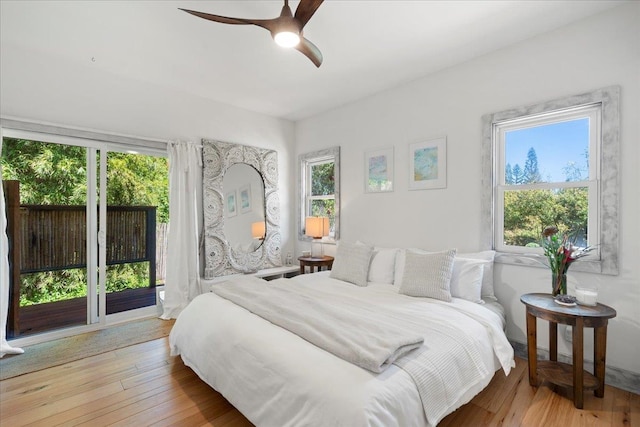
143, 385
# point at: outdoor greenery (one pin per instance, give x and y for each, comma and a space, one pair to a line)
53, 286
528, 212
322, 179
56, 174
323, 184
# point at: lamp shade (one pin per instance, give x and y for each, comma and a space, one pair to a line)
316, 226
258, 230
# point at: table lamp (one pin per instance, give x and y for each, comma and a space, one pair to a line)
258, 230
316, 227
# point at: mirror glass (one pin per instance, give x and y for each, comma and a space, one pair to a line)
244, 208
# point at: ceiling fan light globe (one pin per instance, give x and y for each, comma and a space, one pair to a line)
287, 39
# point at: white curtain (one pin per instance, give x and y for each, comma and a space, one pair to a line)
5, 348
182, 282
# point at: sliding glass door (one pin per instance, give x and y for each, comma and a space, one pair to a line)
49, 243
86, 222
137, 214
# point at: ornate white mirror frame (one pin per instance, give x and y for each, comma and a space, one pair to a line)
221, 258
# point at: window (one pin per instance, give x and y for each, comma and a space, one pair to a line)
547, 174
554, 164
320, 189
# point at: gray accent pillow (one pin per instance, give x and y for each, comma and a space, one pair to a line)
428, 274
352, 263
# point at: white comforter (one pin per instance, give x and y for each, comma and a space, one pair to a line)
363, 335
276, 378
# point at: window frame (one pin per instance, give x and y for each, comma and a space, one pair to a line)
306, 161
605, 180
590, 111
308, 182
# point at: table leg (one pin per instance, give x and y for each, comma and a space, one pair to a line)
578, 363
553, 341
599, 356
301, 268
532, 346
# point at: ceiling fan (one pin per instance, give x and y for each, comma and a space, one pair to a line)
286, 29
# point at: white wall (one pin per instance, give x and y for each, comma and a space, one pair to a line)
601, 51
71, 93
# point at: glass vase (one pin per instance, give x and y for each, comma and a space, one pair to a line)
558, 284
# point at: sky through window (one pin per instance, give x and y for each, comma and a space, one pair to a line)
556, 145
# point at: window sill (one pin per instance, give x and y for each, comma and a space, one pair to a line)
324, 241
532, 260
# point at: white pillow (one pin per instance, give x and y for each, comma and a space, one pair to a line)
399, 267
466, 279
352, 263
383, 261
428, 274
487, 274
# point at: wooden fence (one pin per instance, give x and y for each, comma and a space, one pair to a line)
55, 237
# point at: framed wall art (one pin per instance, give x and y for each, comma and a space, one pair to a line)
378, 170
244, 198
231, 204
428, 164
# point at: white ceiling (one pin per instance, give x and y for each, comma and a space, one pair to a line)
368, 46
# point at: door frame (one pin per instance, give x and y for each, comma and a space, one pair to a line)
95, 143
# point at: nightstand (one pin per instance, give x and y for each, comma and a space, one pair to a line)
315, 263
580, 316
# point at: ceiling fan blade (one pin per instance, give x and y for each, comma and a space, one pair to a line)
305, 10
310, 51
264, 23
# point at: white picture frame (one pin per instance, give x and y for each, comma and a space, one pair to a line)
428, 164
244, 199
378, 168
231, 204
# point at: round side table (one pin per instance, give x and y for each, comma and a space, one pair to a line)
579, 316
317, 263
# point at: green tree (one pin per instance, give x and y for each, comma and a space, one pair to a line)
517, 175
508, 174
323, 184
576, 172
49, 174
531, 172
138, 180
530, 175
322, 179
56, 174
528, 212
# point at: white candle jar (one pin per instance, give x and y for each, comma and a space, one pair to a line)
586, 296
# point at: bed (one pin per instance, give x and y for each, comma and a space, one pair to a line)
238, 339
